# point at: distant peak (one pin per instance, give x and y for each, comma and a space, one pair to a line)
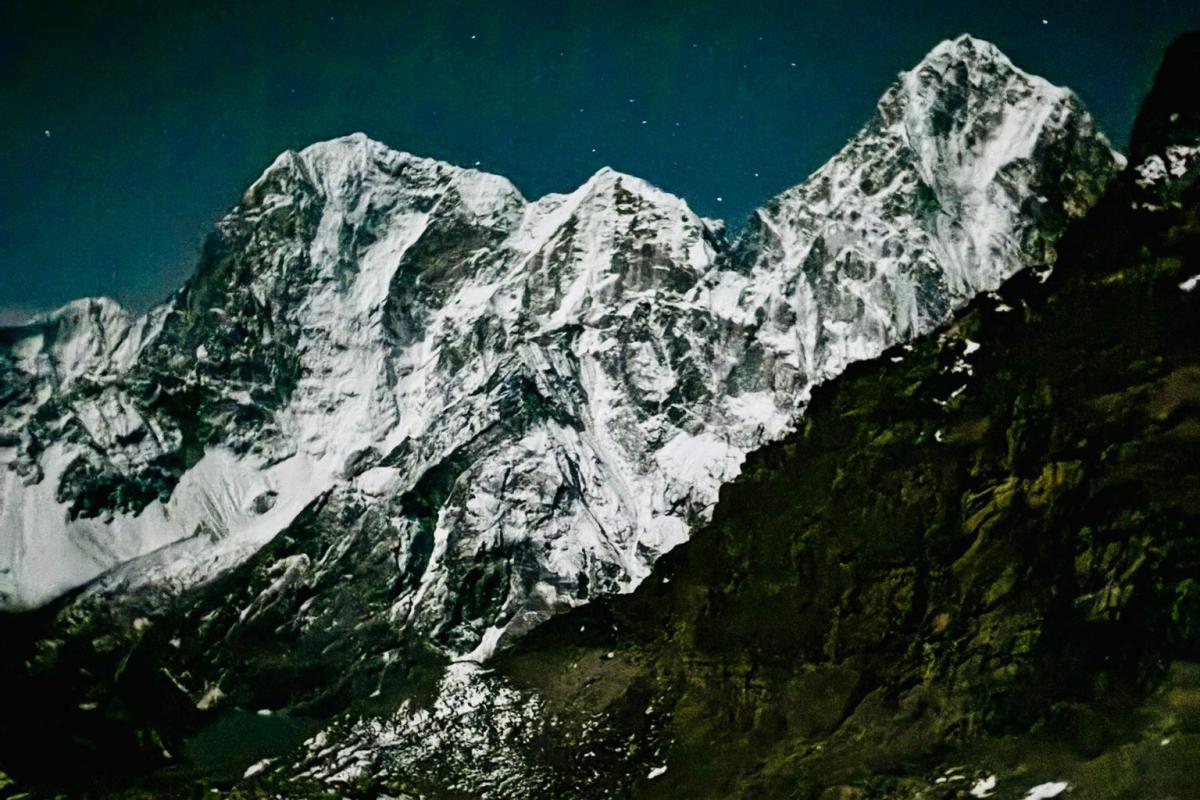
967, 62
345, 164
607, 176
342, 145
355, 151
81, 314
956, 76
602, 188
99, 306
606, 179
966, 48
360, 146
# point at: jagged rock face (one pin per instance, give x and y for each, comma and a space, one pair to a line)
968, 171
58, 395
505, 406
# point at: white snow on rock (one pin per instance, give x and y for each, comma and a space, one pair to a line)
257, 767
541, 397
1044, 791
984, 787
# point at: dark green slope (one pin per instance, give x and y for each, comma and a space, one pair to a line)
986, 557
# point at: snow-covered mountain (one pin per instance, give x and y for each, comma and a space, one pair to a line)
503, 406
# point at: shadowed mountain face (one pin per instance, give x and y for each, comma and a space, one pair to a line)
402, 416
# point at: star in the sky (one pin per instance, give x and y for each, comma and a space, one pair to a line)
46, 133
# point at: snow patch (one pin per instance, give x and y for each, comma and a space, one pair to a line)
984, 787
1044, 791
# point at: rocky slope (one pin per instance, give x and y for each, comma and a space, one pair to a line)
401, 414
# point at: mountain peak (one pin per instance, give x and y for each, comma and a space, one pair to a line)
966, 66
350, 166
966, 47
607, 179
361, 150
351, 142
81, 308
969, 53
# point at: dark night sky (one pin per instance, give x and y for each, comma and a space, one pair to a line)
160, 114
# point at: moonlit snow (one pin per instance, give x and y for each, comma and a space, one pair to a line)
548, 391
984, 787
1044, 791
